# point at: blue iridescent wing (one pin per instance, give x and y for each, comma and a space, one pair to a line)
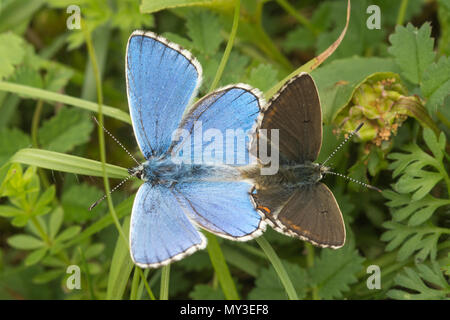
160, 231
232, 108
223, 208
161, 80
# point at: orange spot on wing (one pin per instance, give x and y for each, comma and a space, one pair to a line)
291, 225
267, 210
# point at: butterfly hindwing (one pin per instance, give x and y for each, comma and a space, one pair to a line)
295, 111
161, 80
223, 208
160, 231
312, 214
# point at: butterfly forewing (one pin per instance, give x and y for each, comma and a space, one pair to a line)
161, 80
295, 111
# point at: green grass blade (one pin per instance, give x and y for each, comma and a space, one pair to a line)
66, 163
165, 277
221, 268
121, 266
36, 93
226, 54
135, 284
279, 268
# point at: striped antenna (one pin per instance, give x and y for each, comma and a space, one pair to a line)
353, 180
112, 190
344, 142
124, 180
117, 141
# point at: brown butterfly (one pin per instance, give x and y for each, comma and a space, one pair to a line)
293, 199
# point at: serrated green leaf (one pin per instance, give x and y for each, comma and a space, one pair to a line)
335, 270
27, 76
412, 50
11, 140
66, 130
77, 200
299, 38
235, 68
436, 83
25, 242
205, 292
128, 17
263, 77
11, 53
203, 27
175, 38
268, 285
56, 76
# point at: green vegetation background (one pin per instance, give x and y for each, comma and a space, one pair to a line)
396, 79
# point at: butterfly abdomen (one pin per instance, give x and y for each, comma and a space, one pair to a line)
289, 176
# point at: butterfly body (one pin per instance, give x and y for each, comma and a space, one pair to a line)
288, 176
165, 172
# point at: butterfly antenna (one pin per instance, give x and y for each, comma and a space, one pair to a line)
112, 190
117, 141
344, 142
353, 180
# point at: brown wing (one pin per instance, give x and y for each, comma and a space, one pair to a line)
295, 111
312, 214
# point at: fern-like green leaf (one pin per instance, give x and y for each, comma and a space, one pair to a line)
423, 283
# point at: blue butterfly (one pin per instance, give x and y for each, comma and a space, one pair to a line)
177, 197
